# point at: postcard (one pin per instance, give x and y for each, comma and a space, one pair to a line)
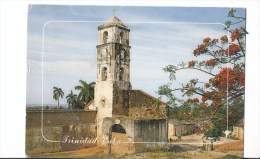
135, 82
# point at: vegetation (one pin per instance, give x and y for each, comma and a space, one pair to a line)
40, 108
86, 93
208, 101
72, 100
57, 94
233, 137
230, 157
215, 130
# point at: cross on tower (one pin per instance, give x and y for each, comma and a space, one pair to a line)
114, 11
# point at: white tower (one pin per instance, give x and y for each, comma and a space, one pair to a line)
113, 71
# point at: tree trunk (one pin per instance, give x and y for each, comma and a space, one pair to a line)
58, 104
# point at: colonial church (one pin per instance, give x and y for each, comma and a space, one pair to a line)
134, 119
119, 108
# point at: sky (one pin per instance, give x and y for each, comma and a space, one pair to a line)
62, 44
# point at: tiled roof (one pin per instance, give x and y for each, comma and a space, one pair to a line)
139, 98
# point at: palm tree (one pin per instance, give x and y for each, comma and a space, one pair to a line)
57, 94
86, 92
71, 100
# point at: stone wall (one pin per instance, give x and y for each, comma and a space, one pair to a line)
120, 101
238, 131
144, 105
59, 131
153, 131
138, 132
180, 128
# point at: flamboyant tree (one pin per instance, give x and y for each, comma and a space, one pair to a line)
220, 100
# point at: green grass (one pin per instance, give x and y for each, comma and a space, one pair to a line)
231, 157
74, 155
157, 154
151, 154
56, 155
103, 156
148, 155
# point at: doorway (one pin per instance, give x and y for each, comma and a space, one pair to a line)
117, 137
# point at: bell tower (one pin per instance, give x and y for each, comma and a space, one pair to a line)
113, 53
113, 71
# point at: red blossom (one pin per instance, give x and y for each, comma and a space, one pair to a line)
203, 99
228, 78
214, 41
233, 48
201, 49
196, 52
211, 62
195, 100
203, 106
191, 64
224, 79
235, 35
224, 39
206, 41
190, 100
207, 85
207, 125
222, 51
214, 103
241, 78
205, 96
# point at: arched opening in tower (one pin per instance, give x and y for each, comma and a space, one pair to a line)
105, 37
121, 74
104, 74
121, 38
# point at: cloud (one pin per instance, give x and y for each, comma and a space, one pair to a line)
64, 74
176, 33
153, 49
70, 48
63, 67
56, 48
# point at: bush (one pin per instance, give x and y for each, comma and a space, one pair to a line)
214, 131
233, 137
188, 132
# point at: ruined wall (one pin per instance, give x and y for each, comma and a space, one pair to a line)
154, 130
238, 131
150, 130
127, 136
127, 124
144, 105
120, 101
61, 131
180, 129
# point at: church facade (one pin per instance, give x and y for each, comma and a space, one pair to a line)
120, 119
142, 117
